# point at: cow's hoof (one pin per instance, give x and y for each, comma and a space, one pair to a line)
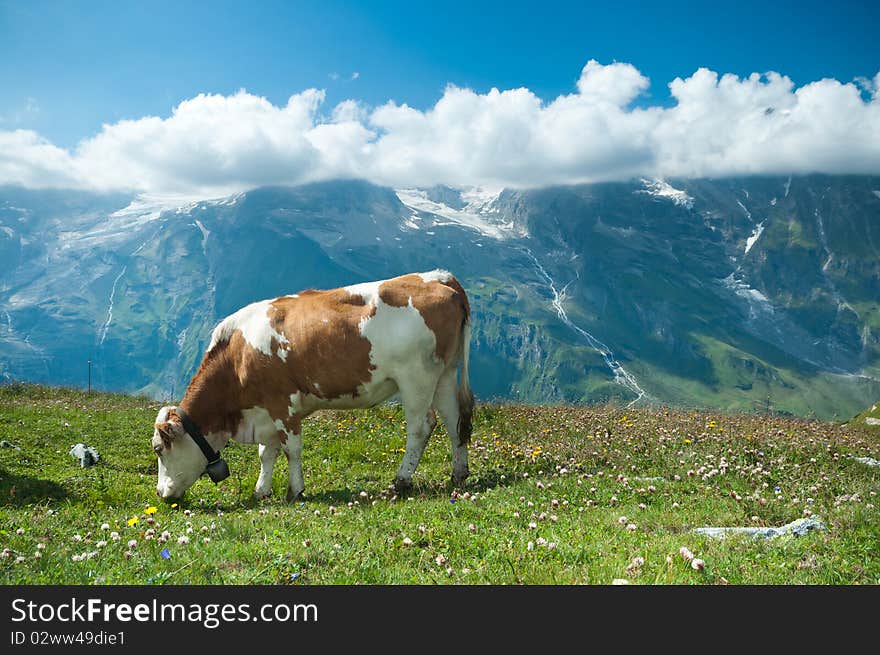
293, 496
459, 478
259, 495
401, 485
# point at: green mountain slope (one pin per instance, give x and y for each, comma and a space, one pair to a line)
754, 294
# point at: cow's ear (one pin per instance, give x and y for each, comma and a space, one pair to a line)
170, 429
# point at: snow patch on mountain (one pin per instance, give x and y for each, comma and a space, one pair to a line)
149, 206
106, 325
481, 200
479, 212
743, 290
205, 232
662, 189
755, 235
757, 302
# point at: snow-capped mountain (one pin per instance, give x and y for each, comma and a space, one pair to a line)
756, 293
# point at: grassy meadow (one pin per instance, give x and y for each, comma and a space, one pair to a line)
557, 495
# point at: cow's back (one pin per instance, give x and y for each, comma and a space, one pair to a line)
343, 343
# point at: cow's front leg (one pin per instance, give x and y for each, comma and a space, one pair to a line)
268, 453
292, 448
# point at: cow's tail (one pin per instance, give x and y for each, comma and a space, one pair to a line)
465, 396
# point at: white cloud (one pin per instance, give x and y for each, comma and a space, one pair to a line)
617, 84
717, 126
29, 160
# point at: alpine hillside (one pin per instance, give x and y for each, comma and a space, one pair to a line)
752, 294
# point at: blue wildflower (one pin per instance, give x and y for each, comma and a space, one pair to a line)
165, 553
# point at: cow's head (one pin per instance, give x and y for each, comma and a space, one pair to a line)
181, 461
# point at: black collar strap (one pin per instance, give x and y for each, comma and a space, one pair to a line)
216, 468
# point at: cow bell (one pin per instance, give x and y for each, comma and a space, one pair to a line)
218, 470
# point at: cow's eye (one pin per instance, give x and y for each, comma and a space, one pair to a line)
158, 449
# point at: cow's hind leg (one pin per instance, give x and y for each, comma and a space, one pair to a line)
446, 403
293, 451
416, 395
268, 454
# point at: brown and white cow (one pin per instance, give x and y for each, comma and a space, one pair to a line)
272, 363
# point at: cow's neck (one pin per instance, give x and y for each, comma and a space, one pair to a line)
211, 400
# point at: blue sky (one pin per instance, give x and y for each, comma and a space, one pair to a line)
69, 67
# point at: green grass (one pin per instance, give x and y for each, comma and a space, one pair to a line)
746, 383
572, 472
862, 420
